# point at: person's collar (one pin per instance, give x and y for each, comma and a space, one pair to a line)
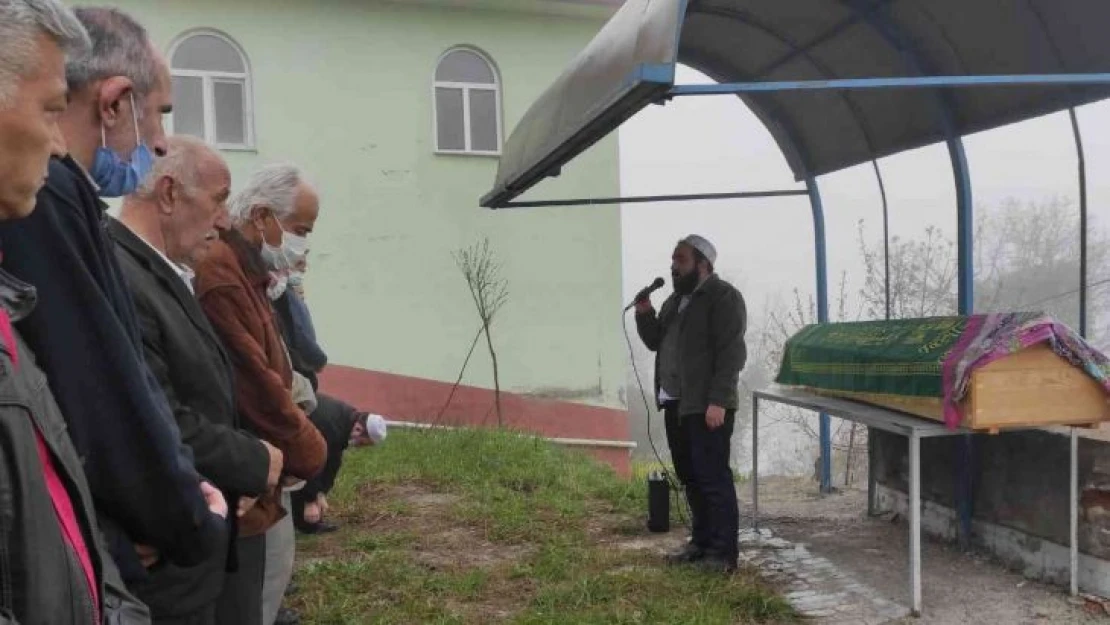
17, 298
185, 273
707, 279
249, 256
88, 177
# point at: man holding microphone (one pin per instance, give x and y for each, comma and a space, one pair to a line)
698, 337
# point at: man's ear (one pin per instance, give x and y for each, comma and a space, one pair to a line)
167, 191
110, 95
258, 215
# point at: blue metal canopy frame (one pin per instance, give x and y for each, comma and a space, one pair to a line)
931, 61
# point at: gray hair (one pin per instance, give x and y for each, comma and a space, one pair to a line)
21, 22
184, 155
120, 47
273, 186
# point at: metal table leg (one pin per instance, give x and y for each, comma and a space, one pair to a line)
755, 465
872, 474
915, 523
1073, 496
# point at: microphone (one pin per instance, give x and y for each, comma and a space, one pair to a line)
646, 291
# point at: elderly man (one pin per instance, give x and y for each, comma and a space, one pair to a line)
272, 216
699, 339
164, 231
50, 539
150, 500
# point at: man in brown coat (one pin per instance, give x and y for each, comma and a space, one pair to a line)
271, 217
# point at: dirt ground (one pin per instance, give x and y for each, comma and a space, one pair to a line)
959, 588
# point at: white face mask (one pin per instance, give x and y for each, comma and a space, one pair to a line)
279, 283
293, 249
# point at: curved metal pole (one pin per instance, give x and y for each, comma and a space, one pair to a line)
886, 238
965, 222
1082, 222
872, 470
821, 263
965, 219
916, 61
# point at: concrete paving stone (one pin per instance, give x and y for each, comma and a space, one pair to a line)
815, 603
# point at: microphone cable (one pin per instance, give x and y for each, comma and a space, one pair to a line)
667, 474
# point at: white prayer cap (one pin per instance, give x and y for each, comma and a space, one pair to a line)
375, 428
702, 245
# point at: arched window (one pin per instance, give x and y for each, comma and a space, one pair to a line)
467, 104
212, 90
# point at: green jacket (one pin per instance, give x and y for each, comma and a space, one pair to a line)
711, 344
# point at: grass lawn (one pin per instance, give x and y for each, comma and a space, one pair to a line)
482, 526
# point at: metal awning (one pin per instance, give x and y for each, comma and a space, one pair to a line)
628, 65
631, 62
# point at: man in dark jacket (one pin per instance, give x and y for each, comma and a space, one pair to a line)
165, 229
53, 566
151, 502
699, 339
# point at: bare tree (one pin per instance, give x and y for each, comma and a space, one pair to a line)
785, 323
489, 290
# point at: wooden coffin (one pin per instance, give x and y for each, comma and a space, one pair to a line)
1031, 388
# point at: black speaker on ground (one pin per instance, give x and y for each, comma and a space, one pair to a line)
659, 503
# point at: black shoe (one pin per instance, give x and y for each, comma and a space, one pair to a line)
285, 616
686, 555
323, 527
716, 564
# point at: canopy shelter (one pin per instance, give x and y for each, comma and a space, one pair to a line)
837, 83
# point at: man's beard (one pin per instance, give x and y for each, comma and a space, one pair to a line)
685, 284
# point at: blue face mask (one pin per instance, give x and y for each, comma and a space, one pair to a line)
114, 176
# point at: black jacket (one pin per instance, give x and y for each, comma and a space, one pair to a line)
195, 372
86, 338
192, 367
334, 418
42, 579
711, 344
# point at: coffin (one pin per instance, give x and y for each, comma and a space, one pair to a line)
984, 372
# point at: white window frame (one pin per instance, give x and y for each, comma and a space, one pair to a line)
466, 88
208, 79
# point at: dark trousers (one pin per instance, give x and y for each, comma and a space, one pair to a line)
700, 458
184, 596
241, 600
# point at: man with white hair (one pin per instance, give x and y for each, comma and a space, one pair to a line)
272, 217
165, 230
152, 504
50, 538
699, 339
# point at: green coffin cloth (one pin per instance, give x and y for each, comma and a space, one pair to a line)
900, 357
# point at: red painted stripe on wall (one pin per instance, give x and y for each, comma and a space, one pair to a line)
406, 398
